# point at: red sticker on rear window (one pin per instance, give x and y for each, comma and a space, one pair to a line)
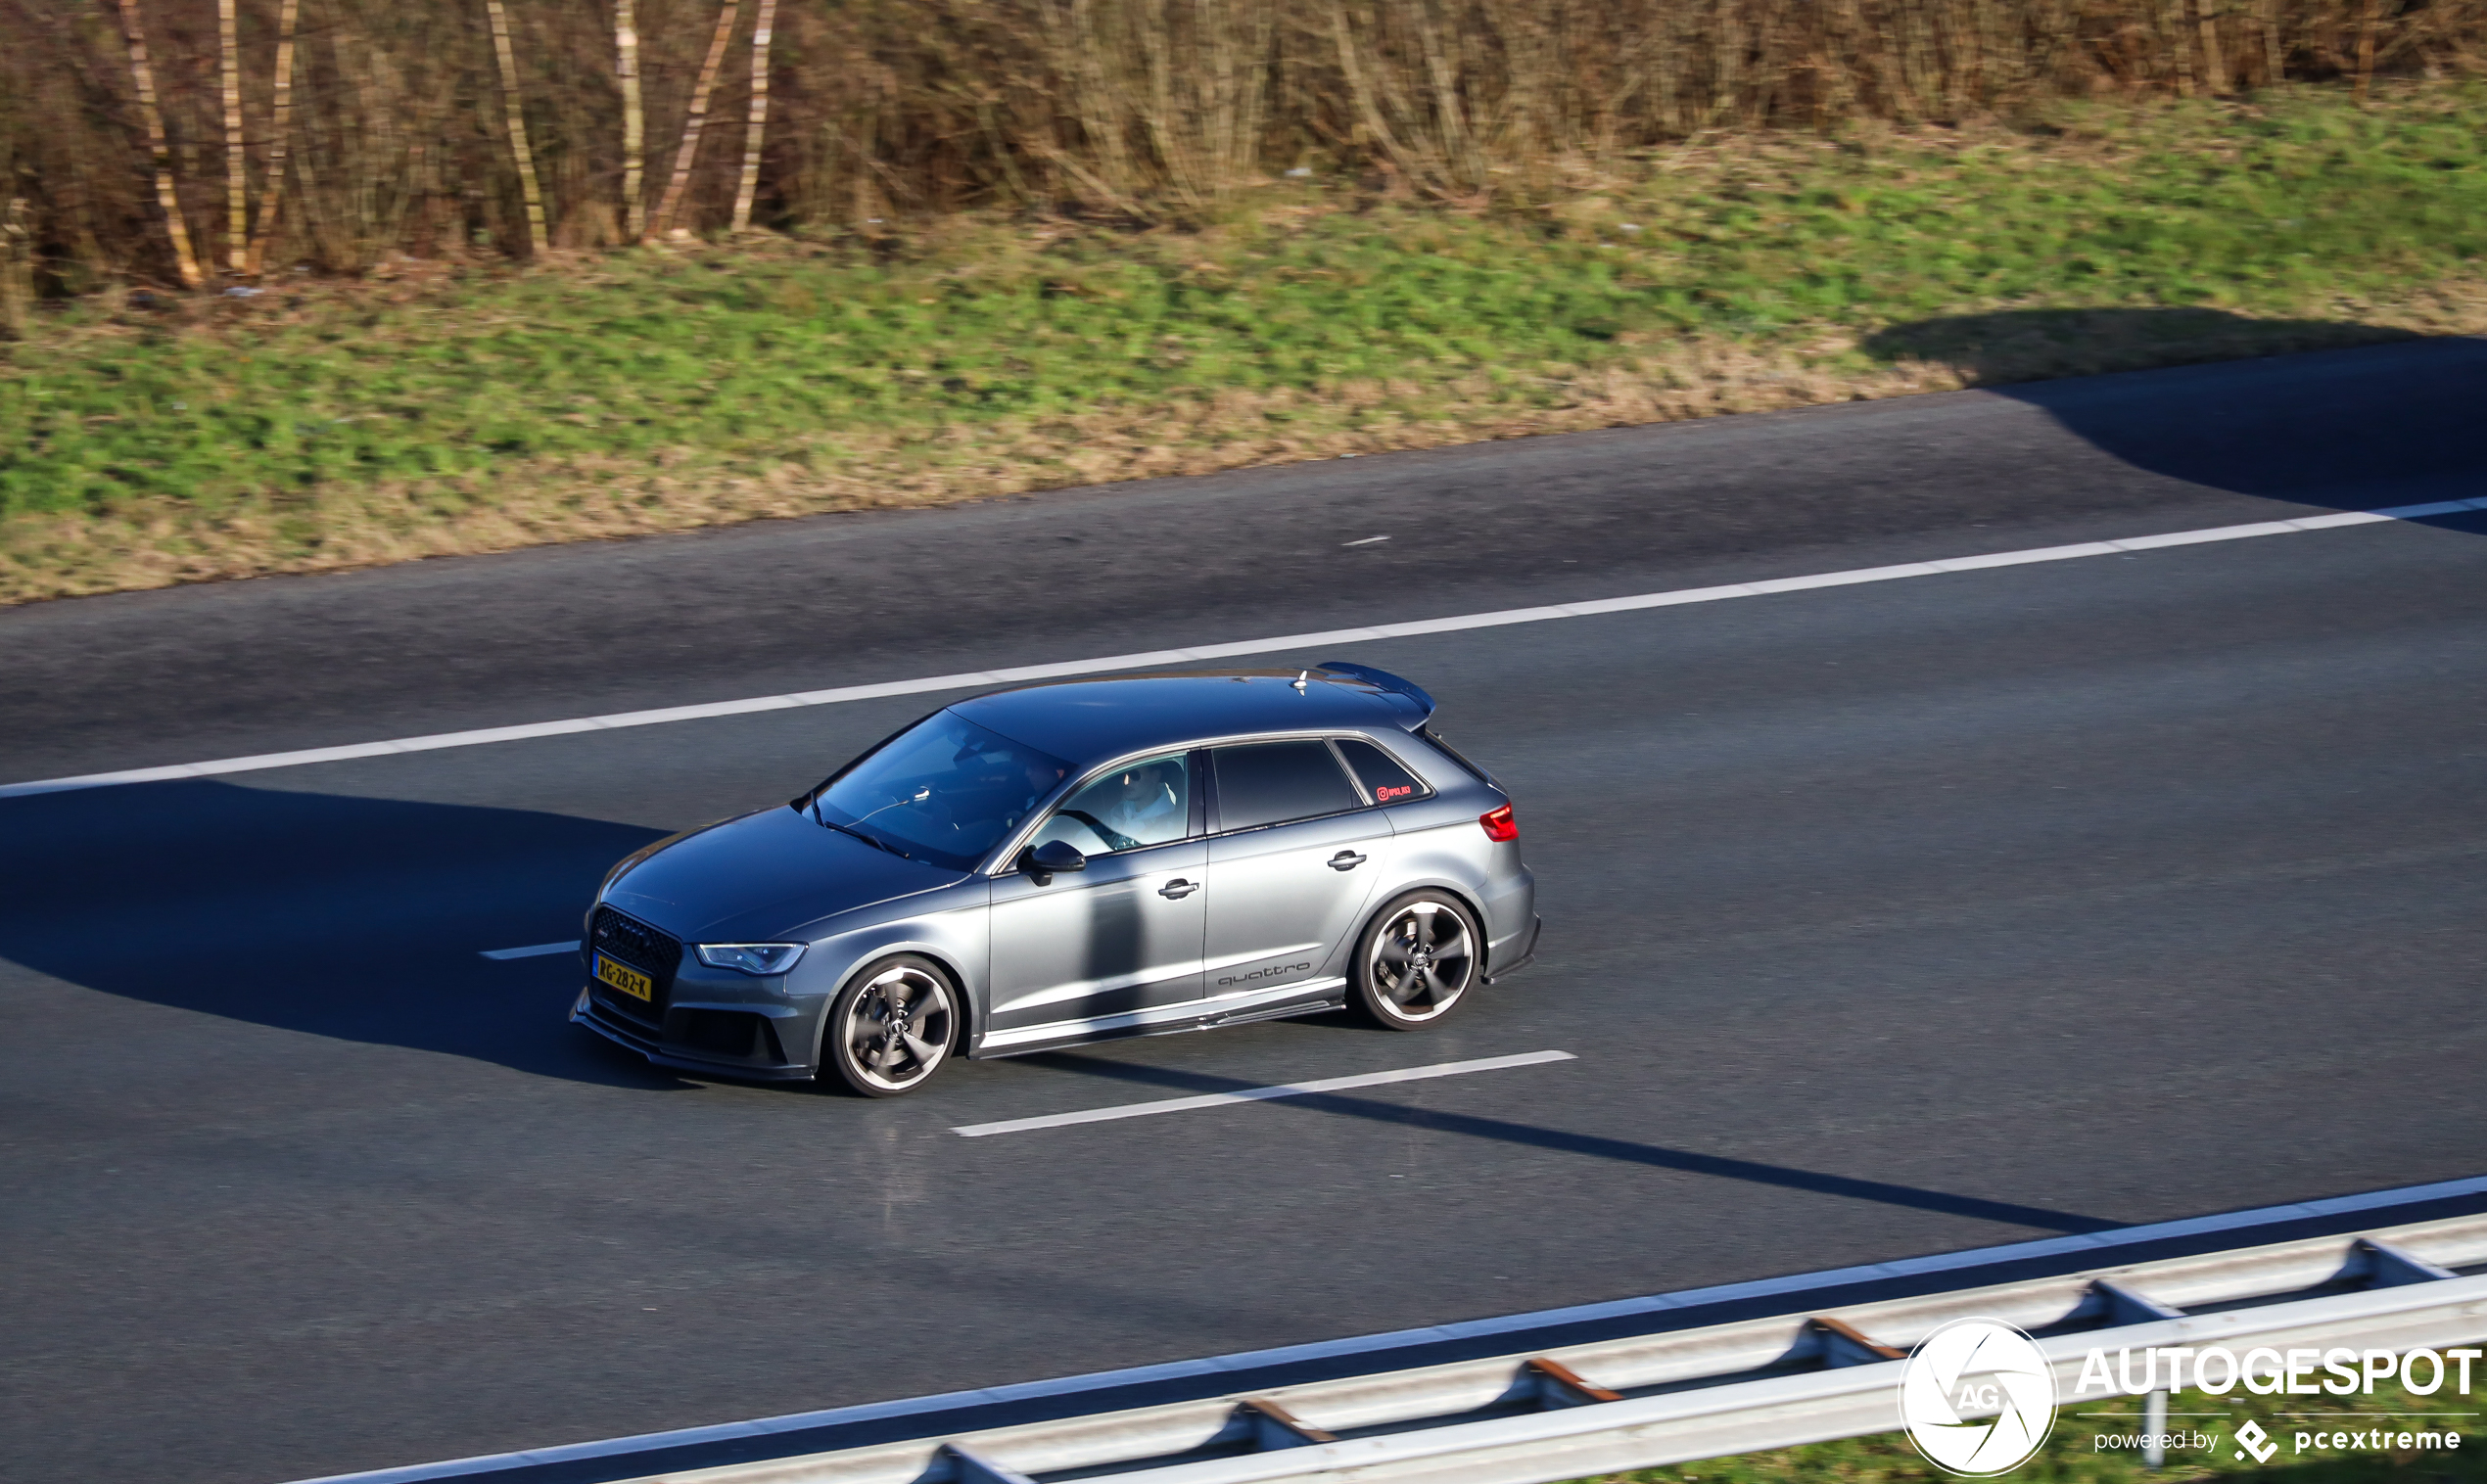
1385, 794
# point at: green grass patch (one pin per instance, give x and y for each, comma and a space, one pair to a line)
2074, 1454
320, 424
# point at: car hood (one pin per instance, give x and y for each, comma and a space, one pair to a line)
756, 878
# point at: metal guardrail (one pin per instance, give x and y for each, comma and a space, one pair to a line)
1637, 1403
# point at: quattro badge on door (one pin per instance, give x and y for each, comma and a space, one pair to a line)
1272, 972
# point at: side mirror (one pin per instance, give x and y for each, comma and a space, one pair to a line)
1043, 861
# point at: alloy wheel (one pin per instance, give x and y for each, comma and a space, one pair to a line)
897, 1028
1421, 961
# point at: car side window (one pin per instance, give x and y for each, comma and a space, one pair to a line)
1272, 782
1382, 778
1143, 803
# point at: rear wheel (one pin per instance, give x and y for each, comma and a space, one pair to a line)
892, 1026
1417, 960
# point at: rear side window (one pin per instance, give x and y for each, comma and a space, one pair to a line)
1443, 744
1383, 779
1271, 782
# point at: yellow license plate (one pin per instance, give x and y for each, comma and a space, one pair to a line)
629, 981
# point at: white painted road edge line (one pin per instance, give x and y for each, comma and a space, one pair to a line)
1381, 1344
1258, 1095
1010, 676
533, 950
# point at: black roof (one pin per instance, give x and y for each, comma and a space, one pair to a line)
1086, 721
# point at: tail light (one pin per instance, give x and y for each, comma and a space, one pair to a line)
1501, 826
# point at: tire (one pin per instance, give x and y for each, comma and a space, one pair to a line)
1417, 960
892, 1026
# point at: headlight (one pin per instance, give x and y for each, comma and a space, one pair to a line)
750, 957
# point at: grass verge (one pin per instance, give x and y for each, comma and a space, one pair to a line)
2074, 1454
440, 408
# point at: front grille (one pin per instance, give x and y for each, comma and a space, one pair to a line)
635, 944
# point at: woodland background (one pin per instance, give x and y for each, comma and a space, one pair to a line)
400, 128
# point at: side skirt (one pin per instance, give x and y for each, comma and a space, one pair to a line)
1311, 996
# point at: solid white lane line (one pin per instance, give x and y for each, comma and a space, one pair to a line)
533, 950
972, 679
1258, 1095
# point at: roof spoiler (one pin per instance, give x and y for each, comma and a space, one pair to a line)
1384, 680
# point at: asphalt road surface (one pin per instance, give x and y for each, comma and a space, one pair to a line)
1880, 920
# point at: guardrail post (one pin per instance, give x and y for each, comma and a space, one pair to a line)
970, 1467
1842, 1345
2388, 1267
1274, 1426
2125, 1307
1559, 1385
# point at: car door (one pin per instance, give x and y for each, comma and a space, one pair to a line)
1119, 938
1290, 867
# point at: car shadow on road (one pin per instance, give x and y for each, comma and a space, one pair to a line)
2384, 416
356, 919
1598, 1146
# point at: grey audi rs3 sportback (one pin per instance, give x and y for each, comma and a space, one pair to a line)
1065, 862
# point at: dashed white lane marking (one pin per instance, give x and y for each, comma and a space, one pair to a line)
975, 679
533, 950
1367, 541
1258, 1095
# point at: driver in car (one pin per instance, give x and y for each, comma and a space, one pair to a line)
1146, 807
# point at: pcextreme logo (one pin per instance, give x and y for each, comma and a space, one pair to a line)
1978, 1397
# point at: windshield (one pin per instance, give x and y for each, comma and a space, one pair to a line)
944, 790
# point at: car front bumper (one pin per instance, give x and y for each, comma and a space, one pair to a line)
743, 1042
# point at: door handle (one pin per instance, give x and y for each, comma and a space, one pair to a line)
1177, 888
1345, 860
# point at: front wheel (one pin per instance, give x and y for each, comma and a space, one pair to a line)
892, 1026
1416, 961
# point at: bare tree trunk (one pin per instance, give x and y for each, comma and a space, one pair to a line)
2275, 61
1369, 114
689, 151
2214, 64
272, 187
2179, 50
2366, 51
237, 178
17, 269
626, 47
753, 130
536, 242
183, 261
